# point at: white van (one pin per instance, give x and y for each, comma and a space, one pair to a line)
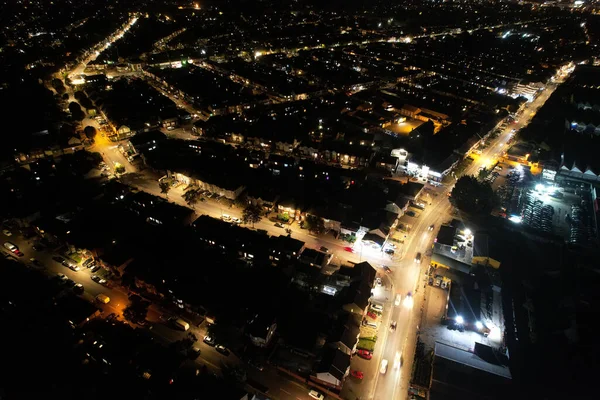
377, 307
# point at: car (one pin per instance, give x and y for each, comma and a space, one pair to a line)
431, 227
78, 288
74, 267
225, 217
393, 326
194, 352
6, 232
398, 299
383, 367
316, 395
62, 277
259, 366
208, 340
444, 285
418, 258
389, 252
236, 220
279, 224
19, 253
89, 263
378, 280
69, 282
38, 247
10, 246
222, 349
324, 249
397, 360
387, 269
357, 374
349, 249
366, 354
98, 280
95, 268
35, 261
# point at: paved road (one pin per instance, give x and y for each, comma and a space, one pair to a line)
394, 383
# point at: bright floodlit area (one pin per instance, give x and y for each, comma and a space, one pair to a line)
404, 128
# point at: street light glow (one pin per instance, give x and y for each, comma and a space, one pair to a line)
459, 320
478, 325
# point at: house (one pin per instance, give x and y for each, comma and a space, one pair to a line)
446, 235
262, 195
387, 162
145, 141
285, 247
261, 329
156, 210
315, 258
333, 368
356, 297
345, 334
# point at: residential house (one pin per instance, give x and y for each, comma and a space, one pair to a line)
145, 141
285, 247
345, 333
356, 297
261, 329
315, 258
333, 368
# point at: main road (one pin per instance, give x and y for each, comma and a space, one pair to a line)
406, 275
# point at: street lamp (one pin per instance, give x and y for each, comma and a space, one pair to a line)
459, 320
479, 325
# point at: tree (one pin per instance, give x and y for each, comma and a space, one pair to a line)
471, 196
165, 186
483, 173
251, 214
59, 86
314, 224
90, 132
191, 197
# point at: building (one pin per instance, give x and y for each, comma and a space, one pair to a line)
333, 368
261, 329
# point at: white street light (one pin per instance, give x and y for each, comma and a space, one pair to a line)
459, 320
479, 325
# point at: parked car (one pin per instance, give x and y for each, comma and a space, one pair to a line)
357, 374
389, 252
324, 249
431, 227
378, 280
279, 225
35, 261
208, 340
316, 395
98, 280
194, 352
95, 268
62, 277
74, 267
349, 249
6, 232
387, 269
222, 349
78, 288
69, 282
366, 354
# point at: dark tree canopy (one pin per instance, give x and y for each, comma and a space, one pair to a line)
471, 196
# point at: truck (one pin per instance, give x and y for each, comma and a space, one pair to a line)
180, 323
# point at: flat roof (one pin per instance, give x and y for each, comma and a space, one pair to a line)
470, 359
